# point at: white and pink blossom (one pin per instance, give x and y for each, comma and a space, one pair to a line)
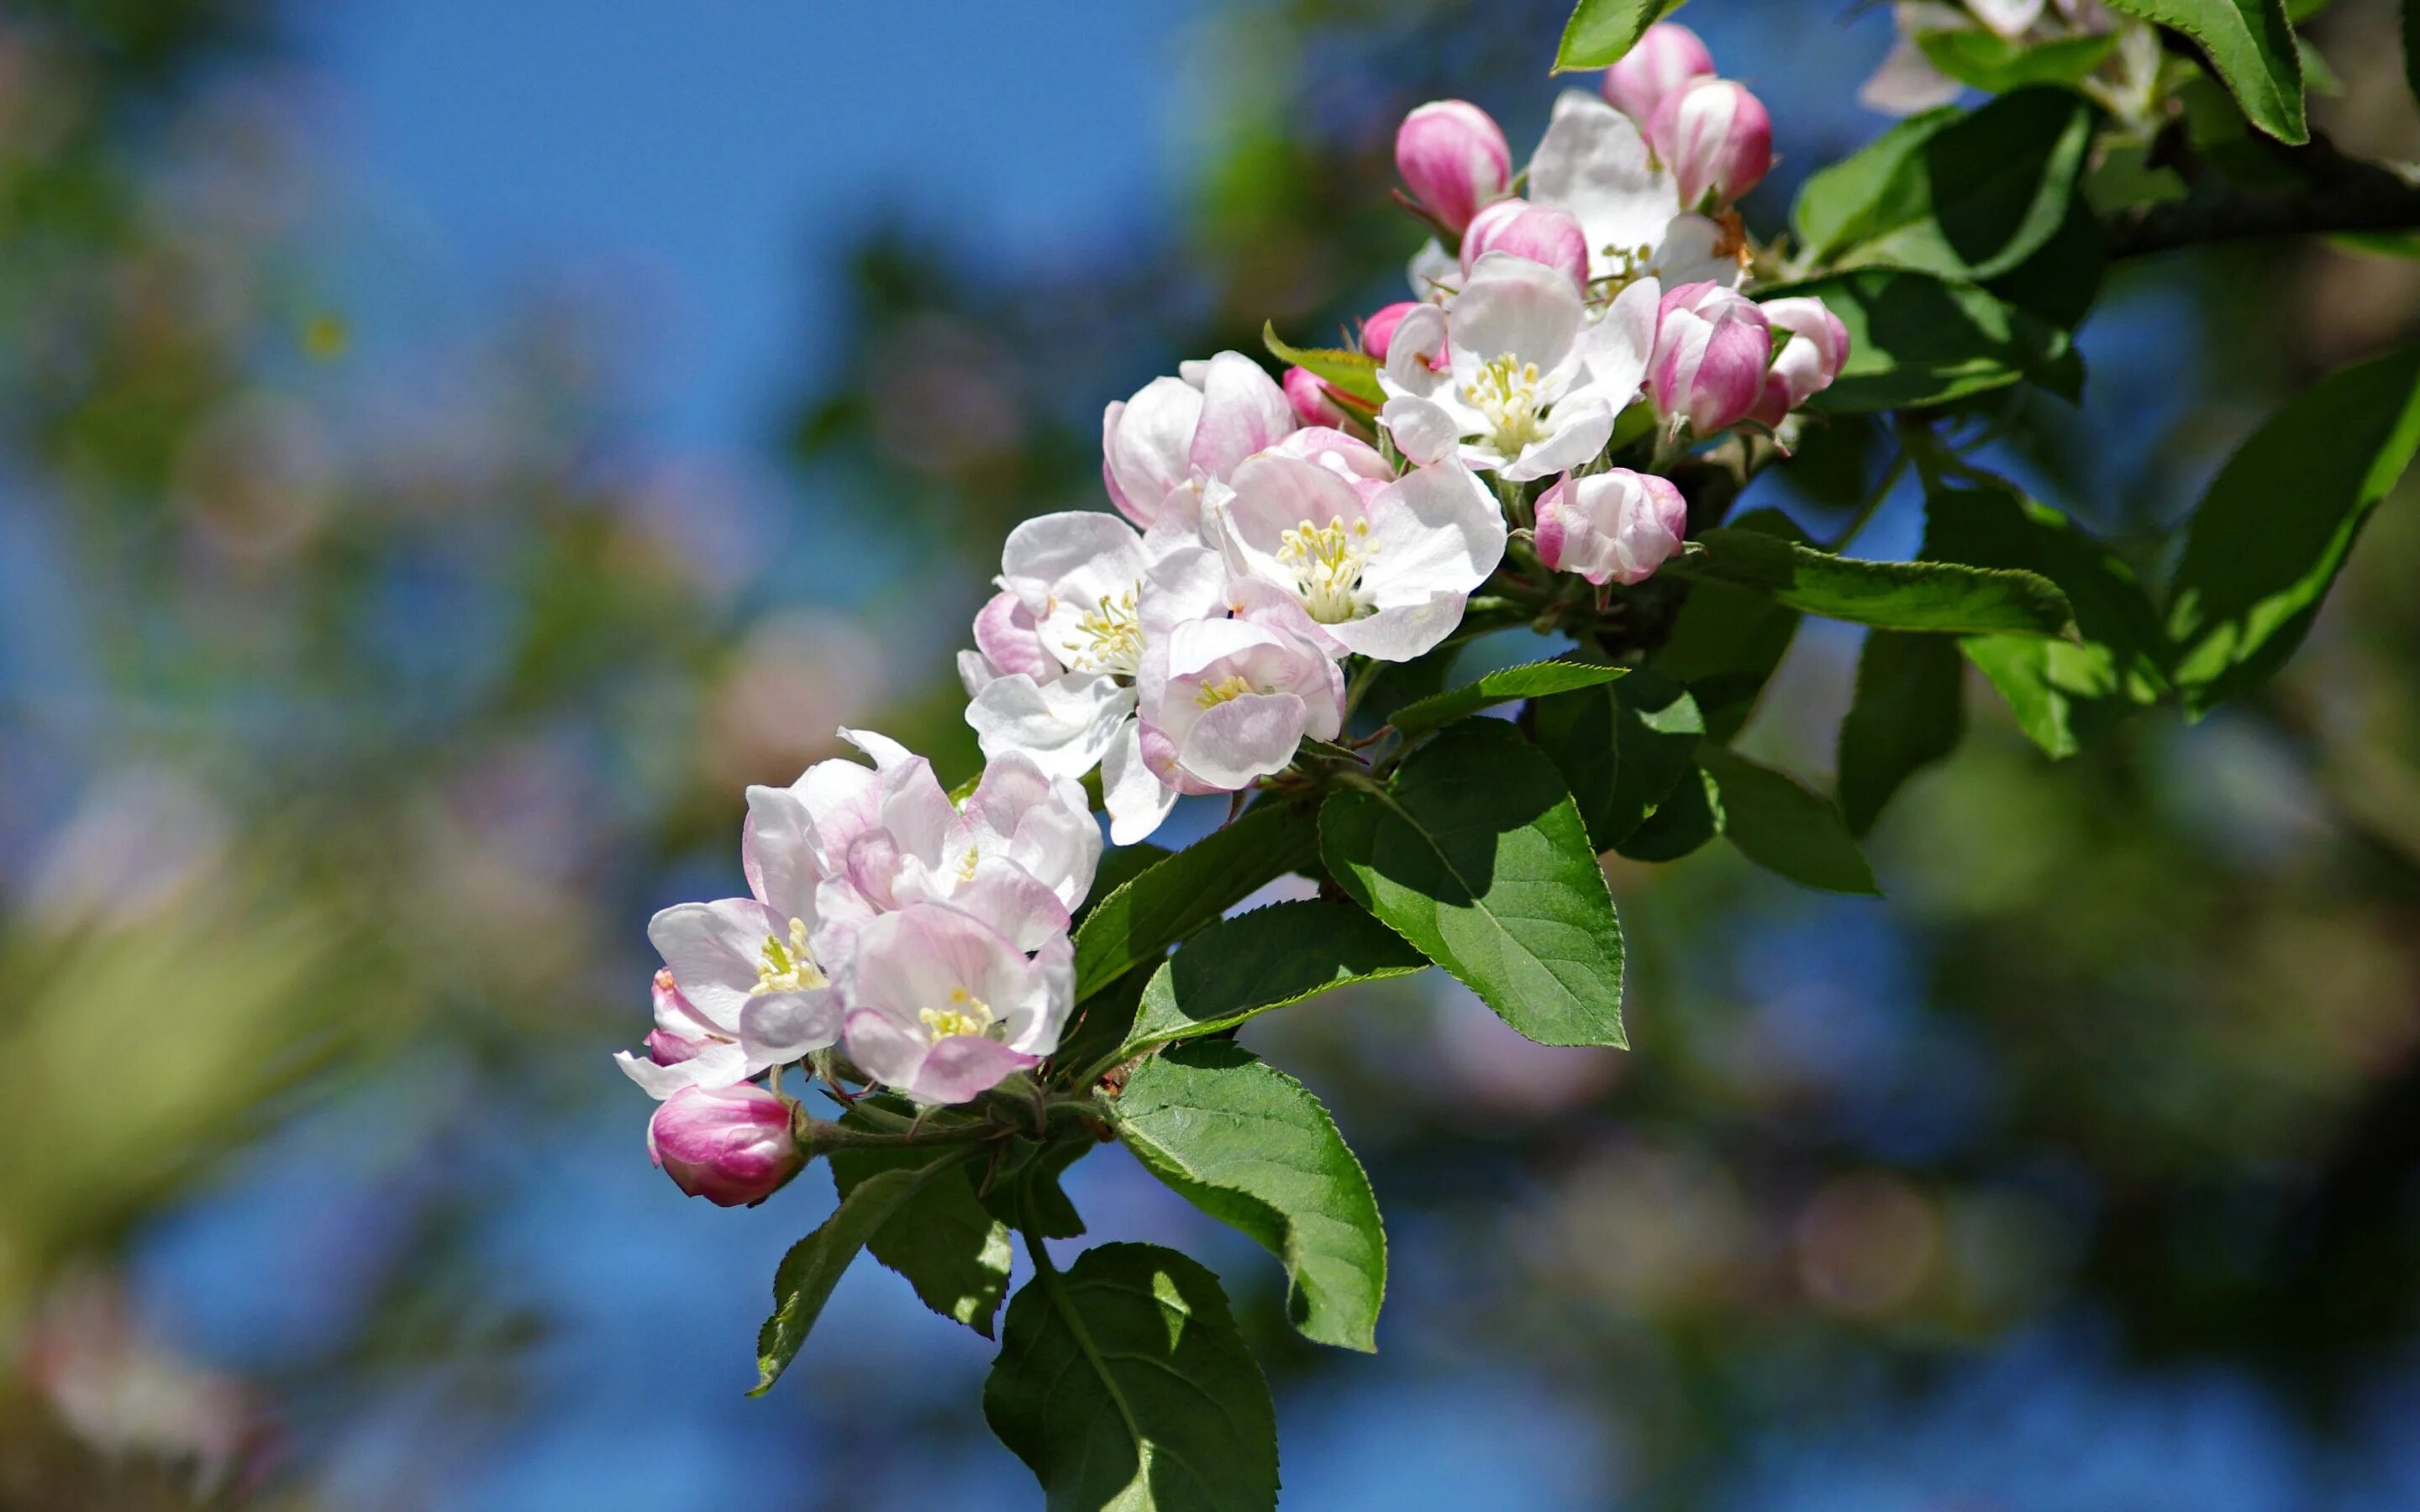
1594, 163
1546, 233
1381, 572
1314, 403
1615, 526
1454, 159
1806, 362
1711, 348
1661, 63
1178, 432
1233, 700
1514, 375
731, 1145
1716, 139
942, 1007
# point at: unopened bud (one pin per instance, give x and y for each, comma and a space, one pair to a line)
729, 1144
1541, 232
1454, 159
1716, 139
1615, 526
1314, 403
1663, 62
1711, 349
1806, 362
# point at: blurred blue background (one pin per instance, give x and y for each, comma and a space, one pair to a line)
446, 451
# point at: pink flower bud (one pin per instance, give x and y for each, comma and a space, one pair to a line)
729, 1144
1453, 157
1806, 362
1541, 232
1379, 329
1711, 349
1716, 139
1314, 403
1615, 526
1664, 60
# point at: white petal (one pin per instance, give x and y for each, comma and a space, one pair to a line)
717, 1065
1137, 800
1579, 432
1593, 163
1424, 431
1514, 308
1065, 724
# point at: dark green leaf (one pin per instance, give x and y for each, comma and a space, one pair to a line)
2059, 282
1123, 1383
1967, 195
1119, 866
1601, 31
1025, 1190
1534, 679
1891, 595
1621, 748
1680, 824
1268, 958
1984, 59
1779, 824
1917, 340
1728, 640
953, 1251
813, 1266
1908, 713
1247, 1144
1347, 372
1164, 903
2063, 692
2277, 522
2251, 44
1476, 854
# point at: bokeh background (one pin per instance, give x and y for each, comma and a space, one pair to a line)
447, 449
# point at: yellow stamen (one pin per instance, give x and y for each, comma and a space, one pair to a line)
1328, 560
1508, 396
966, 1014
1214, 694
791, 967
1109, 638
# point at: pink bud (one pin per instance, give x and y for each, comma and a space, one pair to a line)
681, 1031
1716, 139
1711, 349
1806, 362
1313, 404
1541, 232
1615, 526
729, 1144
1664, 60
1453, 157
1379, 329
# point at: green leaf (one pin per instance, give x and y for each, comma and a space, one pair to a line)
1601, 31
1680, 824
2251, 44
1025, 1190
1984, 59
1534, 679
1243, 1142
1119, 866
1623, 748
2062, 278
1919, 340
1908, 713
1168, 902
1350, 372
1967, 195
1476, 854
805, 1278
1123, 1384
1775, 822
2063, 692
940, 1239
1890, 596
2279, 519
1269, 957
1728, 640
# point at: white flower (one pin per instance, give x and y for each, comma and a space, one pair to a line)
1531, 384
1059, 647
942, 1007
1229, 701
1594, 162
1180, 432
1383, 572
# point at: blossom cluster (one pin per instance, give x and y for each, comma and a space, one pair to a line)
1266, 535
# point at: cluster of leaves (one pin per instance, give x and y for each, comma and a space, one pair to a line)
1963, 248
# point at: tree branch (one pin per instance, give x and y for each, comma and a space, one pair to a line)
2333, 193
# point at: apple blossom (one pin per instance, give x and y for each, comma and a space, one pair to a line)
1314, 403
1615, 526
1716, 138
681, 1031
731, 1145
1659, 63
1059, 648
1806, 362
1383, 572
1711, 347
1454, 159
1531, 384
1541, 232
1380, 326
1594, 162
1236, 698
941, 1005
1176, 432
